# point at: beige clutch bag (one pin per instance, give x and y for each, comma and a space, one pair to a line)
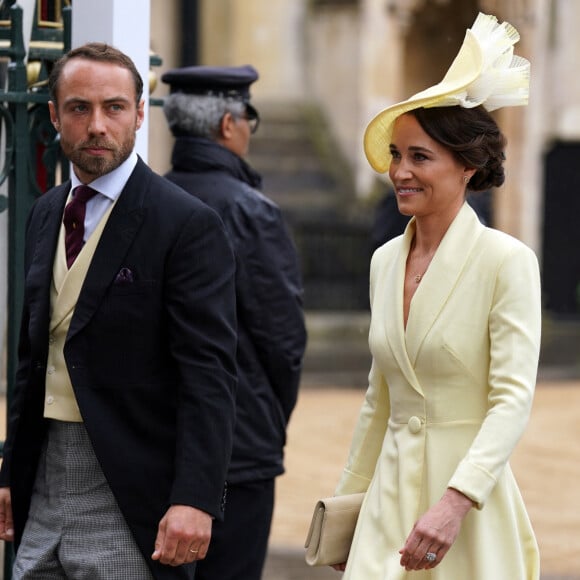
332, 529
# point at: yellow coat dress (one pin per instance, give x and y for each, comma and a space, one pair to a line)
448, 399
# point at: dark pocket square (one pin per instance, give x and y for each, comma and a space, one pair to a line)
124, 276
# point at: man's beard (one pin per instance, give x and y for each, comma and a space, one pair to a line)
95, 165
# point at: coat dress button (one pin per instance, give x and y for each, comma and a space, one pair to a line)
414, 424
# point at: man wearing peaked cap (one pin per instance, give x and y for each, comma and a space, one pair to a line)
224, 81
210, 115
232, 82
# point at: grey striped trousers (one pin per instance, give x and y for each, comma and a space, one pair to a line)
75, 529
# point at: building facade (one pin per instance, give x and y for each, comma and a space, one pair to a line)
351, 58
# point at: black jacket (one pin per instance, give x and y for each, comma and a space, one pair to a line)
271, 331
151, 360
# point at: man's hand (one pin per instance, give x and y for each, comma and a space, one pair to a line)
183, 536
6, 522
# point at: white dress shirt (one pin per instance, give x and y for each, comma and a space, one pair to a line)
109, 187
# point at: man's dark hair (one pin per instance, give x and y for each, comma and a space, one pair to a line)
99, 52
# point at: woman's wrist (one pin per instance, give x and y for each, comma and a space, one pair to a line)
458, 499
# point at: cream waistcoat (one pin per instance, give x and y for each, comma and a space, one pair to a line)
60, 402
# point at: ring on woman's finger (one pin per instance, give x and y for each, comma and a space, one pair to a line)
193, 551
430, 557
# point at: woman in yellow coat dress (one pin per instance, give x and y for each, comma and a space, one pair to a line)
455, 335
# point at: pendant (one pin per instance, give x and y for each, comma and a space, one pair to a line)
418, 278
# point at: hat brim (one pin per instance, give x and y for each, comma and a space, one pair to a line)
463, 71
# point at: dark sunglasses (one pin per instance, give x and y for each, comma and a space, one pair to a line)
252, 117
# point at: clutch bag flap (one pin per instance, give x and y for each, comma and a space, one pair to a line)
332, 529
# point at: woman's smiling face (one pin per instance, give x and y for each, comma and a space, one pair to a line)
427, 177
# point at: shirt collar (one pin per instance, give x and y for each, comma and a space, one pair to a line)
111, 184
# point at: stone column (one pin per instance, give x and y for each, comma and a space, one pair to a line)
519, 203
380, 78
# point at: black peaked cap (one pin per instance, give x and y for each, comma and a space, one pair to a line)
224, 81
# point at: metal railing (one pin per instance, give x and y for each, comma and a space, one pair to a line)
31, 155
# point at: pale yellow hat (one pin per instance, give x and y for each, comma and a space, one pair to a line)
485, 72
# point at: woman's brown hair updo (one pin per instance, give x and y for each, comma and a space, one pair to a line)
473, 136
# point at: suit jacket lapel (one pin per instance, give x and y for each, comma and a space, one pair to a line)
441, 277
120, 230
39, 269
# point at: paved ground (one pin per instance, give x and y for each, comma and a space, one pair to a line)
546, 464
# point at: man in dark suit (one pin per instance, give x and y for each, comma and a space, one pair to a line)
120, 431
210, 114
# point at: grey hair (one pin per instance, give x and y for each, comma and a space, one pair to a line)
199, 115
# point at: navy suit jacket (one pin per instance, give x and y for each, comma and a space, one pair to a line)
150, 352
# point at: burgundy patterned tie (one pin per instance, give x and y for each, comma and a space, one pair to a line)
74, 221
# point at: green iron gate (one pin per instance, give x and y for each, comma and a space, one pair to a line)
31, 161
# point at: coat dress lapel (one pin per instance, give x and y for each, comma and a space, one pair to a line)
394, 280
441, 277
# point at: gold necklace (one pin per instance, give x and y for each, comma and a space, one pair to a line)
419, 277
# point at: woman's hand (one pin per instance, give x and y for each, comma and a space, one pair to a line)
434, 532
